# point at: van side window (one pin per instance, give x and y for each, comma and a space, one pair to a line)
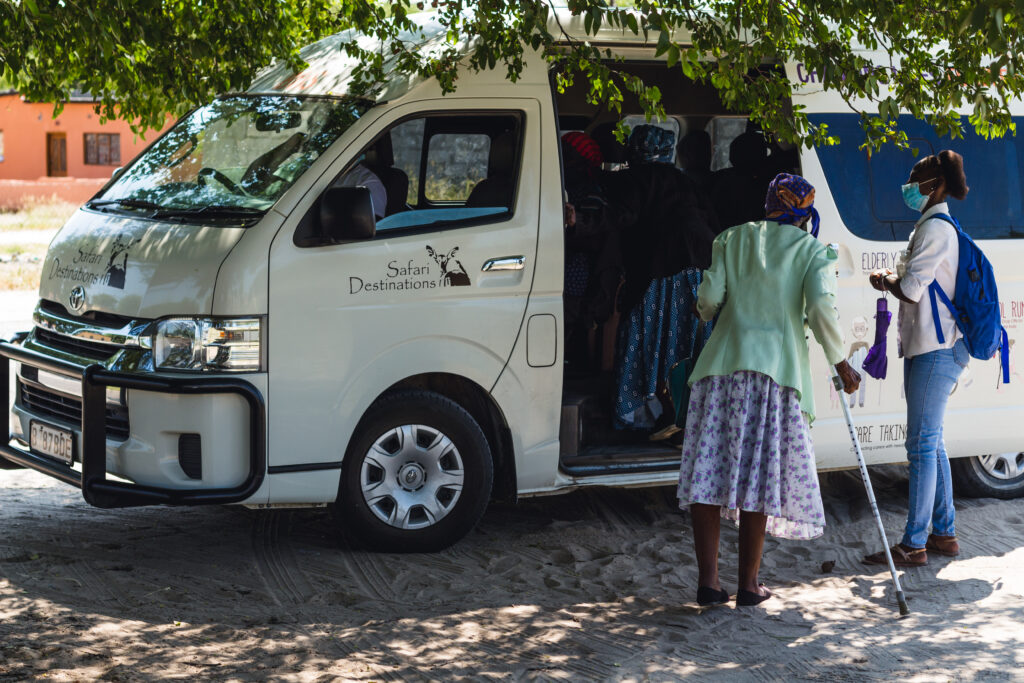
455, 164
866, 189
407, 144
723, 130
444, 170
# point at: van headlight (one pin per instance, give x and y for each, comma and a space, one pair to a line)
214, 344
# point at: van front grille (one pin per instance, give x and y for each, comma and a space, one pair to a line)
78, 347
46, 403
91, 318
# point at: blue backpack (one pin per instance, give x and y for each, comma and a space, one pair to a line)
976, 310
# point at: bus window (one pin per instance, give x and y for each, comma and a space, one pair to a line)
867, 190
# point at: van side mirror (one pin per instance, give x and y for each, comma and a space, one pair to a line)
346, 213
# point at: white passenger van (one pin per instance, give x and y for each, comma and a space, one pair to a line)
227, 322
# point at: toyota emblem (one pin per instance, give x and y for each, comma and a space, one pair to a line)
77, 298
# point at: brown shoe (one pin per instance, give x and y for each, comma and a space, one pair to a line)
902, 556
943, 545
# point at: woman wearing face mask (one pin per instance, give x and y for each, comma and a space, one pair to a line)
930, 368
747, 452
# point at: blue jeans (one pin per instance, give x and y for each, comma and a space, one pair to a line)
929, 378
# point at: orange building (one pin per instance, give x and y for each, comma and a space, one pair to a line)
69, 157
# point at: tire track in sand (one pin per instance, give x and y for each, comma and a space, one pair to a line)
276, 562
287, 585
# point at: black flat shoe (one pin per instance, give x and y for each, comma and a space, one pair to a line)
709, 596
749, 599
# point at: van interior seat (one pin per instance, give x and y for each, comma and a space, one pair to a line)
497, 188
380, 158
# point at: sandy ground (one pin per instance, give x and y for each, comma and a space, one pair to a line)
593, 585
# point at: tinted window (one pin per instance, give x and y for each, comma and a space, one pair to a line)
407, 141
867, 190
455, 164
723, 130
453, 169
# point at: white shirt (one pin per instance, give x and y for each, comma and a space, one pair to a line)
360, 176
932, 254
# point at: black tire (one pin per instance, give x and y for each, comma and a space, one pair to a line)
361, 520
973, 479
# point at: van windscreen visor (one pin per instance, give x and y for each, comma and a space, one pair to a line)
230, 160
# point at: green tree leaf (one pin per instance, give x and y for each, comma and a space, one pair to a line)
145, 59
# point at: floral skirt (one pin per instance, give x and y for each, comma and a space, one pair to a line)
748, 447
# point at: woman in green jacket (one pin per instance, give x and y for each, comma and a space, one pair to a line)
747, 451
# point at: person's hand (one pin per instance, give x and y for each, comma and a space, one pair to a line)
850, 377
570, 215
877, 277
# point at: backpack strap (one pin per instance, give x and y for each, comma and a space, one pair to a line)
1004, 356
949, 219
934, 289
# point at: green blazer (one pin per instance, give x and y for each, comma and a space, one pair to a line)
769, 282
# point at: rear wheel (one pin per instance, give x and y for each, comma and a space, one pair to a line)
1000, 475
417, 476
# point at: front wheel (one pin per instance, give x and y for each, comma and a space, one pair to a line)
417, 475
1000, 475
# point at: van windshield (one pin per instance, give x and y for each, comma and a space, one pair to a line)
231, 159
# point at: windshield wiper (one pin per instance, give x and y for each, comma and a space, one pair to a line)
211, 211
126, 202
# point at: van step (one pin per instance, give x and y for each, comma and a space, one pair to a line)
622, 460
587, 422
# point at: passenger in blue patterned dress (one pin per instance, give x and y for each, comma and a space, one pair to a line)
663, 252
747, 452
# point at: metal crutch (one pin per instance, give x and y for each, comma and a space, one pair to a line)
900, 598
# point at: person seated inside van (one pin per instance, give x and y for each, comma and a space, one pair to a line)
361, 176
738, 192
664, 251
695, 152
612, 151
380, 160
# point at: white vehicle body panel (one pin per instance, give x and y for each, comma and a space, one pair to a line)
333, 347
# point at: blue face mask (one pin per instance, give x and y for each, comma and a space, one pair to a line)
913, 198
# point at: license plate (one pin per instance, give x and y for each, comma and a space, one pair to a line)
57, 443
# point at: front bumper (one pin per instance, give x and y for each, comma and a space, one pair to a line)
96, 488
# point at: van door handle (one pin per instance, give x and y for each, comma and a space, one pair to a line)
504, 263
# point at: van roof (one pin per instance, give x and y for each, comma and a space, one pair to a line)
331, 70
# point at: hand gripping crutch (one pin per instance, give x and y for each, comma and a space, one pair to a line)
838, 382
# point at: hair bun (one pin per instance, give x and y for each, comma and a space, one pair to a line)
952, 165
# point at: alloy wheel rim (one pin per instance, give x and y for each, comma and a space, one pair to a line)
412, 476
1003, 466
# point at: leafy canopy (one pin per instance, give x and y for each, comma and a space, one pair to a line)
144, 58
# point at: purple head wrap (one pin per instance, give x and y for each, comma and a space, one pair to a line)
790, 199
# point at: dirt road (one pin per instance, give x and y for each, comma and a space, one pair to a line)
592, 585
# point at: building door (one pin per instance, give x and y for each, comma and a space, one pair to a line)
56, 154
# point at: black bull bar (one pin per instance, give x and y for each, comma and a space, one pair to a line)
96, 489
